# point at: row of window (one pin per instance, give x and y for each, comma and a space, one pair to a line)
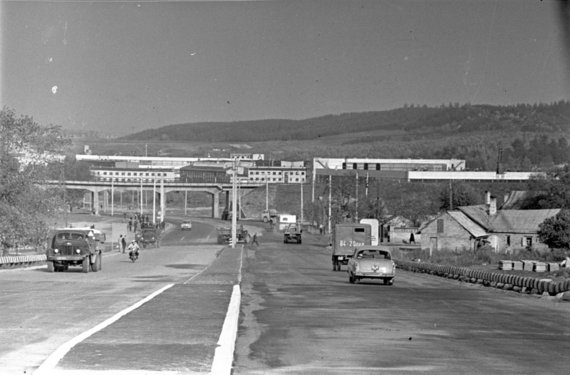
395, 166
278, 173
269, 179
132, 179
142, 174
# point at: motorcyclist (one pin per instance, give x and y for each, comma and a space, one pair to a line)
133, 248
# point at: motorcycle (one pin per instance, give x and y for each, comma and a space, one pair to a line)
133, 255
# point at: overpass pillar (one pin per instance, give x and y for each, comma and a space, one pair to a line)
216, 205
95, 202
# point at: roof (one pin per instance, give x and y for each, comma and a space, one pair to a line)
520, 221
477, 213
508, 221
472, 227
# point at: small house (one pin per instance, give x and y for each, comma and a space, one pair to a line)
472, 226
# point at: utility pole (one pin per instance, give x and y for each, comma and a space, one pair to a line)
450, 196
302, 218
267, 194
234, 205
330, 202
356, 208
154, 201
141, 197
112, 196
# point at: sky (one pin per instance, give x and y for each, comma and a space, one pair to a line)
123, 66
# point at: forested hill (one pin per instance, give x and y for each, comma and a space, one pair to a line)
452, 119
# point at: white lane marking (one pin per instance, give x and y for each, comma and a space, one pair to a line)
224, 353
49, 364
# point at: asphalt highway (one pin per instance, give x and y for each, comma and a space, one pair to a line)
165, 314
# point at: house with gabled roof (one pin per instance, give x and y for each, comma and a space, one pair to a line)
469, 227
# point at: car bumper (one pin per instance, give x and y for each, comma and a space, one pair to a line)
66, 258
375, 275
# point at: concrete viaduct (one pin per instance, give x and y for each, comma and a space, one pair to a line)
160, 187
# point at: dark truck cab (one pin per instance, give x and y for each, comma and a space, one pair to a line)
148, 236
74, 247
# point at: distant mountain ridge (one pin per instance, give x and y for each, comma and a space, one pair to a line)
443, 121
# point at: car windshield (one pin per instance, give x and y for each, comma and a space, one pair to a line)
70, 236
373, 254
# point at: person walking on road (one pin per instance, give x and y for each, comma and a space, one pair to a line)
123, 243
254, 240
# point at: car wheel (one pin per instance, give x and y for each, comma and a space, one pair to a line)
265, 220
50, 267
299, 242
356, 280
85, 265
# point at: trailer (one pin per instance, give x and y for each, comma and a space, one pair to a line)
347, 237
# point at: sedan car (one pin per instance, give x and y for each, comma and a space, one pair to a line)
372, 262
186, 225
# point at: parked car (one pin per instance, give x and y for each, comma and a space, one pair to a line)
372, 262
186, 225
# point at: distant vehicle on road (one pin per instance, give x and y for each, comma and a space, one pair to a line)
186, 225
225, 235
148, 236
74, 247
292, 234
347, 237
270, 214
372, 262
285, 220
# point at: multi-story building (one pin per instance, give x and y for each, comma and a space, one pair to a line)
277, 175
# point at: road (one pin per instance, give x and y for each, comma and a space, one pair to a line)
300, 317
297, 316
41, 311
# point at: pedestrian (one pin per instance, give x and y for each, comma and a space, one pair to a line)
412, 239
254, 240
124, 243
130, 226
321, 228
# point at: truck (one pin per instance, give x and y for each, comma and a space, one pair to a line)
147, 236
285, 220
292, 234
347, 237
225, 235
270, 214
74, 247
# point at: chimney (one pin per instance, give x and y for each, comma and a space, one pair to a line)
487, 198
492, 206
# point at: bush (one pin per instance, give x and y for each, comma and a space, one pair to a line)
484, 255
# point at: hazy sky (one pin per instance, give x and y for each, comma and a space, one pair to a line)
121, 66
